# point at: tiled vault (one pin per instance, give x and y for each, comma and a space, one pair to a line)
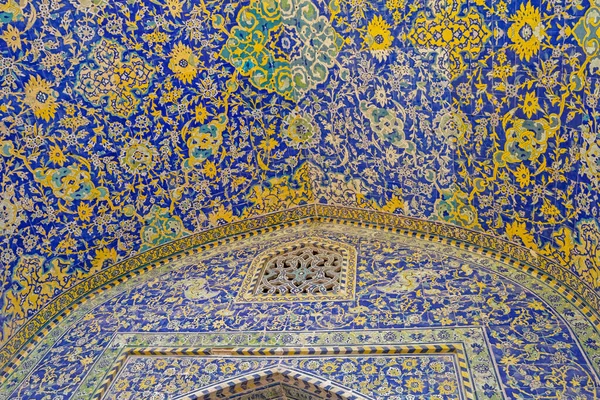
427, 321
128, 124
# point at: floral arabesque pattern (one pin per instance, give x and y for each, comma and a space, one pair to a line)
424, 376
499, 127
122, 129
422, 291
118, 82
128, 124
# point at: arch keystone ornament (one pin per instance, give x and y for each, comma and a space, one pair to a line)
308, 269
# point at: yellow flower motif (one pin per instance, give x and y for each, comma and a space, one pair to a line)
102, 259
227, 368
527, 31
183, 63
531, 104
12, 37
218, 324
148, 382
57, 156
210, 169
501, 7
509, 359
501, 57
395, 4
200, 113
409, 364
360, 320
379, 36
172, 96
121, 385
368, 369
329, 367
87, 360
268, 144
415, 385
522, 175
39, 96
160, 364
503, 72
550, 211
175, 7
70, 110
447, 387
85, 212
6, 106
220, 216
519, 230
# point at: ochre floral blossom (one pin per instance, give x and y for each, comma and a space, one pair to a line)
379, 36
56, 155
522, 175
40, 97
531, 104
12, 37
527, 31
183, 63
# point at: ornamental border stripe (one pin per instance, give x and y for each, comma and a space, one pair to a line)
227, 387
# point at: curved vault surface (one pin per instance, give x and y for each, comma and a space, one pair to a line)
432, 319
128, 124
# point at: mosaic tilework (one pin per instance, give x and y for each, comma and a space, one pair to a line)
428, 345
560, 279
177, 376
454, 354
540, 343
162, 377
483, 114
127, 124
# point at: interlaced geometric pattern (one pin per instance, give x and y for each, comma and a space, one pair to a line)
309, 269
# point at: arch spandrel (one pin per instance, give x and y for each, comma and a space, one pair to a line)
410, 291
